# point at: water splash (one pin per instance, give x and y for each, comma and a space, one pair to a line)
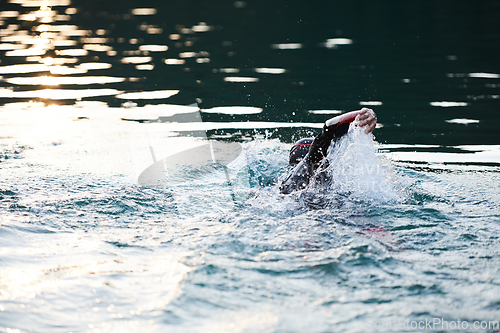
261, 161
358, 171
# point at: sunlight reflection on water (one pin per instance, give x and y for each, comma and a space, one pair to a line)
83, 247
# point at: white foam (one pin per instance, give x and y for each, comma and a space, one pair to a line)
357, 170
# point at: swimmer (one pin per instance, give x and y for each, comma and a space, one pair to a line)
307, 155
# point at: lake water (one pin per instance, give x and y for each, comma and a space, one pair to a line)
141, 144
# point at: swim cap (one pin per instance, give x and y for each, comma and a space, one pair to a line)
299, 150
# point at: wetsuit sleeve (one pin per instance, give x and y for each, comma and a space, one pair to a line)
333, 129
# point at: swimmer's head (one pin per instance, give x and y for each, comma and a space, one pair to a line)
299, 150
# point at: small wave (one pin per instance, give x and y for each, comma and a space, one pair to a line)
12, 152
264, 160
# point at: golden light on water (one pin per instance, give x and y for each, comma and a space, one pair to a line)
47, 44
56, 81
48, 61
58, 94
58, 53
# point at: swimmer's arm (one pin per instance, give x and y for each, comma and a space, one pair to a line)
336, 127
299, 177
363, 118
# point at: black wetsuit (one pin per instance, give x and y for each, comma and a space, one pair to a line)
299, 177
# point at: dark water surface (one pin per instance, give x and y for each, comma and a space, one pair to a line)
99, 98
